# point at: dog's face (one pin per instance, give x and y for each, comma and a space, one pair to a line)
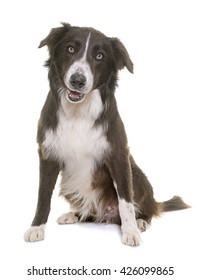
85, 58
85, 61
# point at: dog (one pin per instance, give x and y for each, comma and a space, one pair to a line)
82, 137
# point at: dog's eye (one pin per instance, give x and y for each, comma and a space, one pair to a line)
71, 49
99, 56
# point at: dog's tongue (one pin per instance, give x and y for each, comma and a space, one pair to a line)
74, 95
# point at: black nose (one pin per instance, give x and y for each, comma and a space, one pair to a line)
77, 81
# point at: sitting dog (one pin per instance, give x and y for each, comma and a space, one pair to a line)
81, 136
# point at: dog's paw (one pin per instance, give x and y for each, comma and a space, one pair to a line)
142, 224
131, 237
67, 218
35, 233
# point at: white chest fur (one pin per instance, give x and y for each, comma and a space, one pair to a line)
80, 145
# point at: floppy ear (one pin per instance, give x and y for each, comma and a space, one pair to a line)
54, 36
121, 55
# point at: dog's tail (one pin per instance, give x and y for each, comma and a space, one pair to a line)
175, 203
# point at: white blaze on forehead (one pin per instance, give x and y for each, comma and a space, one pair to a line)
82, 67
86, 47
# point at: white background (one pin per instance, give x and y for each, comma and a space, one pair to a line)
160, 108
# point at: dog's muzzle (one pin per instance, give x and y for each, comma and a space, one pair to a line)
77, 83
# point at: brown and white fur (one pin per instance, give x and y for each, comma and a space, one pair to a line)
81, 136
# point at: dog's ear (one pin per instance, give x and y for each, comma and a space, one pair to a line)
121, 55
54, 36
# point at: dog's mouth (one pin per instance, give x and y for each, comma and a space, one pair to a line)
74, 96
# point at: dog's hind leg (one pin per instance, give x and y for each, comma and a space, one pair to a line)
142, 224
67, 218
143, 194
49, 171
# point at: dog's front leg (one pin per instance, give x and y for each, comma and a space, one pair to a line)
120, 170
48, 175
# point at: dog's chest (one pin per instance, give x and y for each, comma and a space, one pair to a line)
80, 145
76, 141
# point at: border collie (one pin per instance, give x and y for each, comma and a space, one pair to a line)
81, 136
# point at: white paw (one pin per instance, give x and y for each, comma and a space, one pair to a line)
35, 233
67, 218
142, 224
131, 237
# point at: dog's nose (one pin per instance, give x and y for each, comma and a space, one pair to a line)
77, 81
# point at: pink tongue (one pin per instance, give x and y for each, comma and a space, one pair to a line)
74, 94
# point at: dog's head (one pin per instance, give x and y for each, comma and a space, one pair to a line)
85, 58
